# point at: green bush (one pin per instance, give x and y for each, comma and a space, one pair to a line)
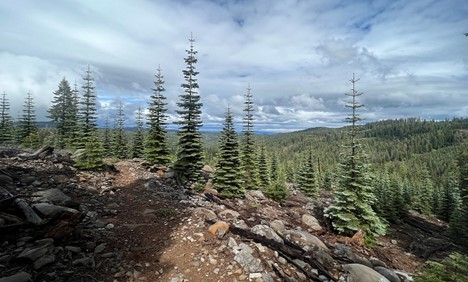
452, 269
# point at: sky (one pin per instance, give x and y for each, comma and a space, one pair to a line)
297, 56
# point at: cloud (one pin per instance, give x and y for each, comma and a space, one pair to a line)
298, 56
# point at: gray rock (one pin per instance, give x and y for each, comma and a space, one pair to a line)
267, 277
362, 273
311, 222
363, 261
203, 213
18, 277
246, 260
33, 254
228, 214
52, 210
232, 243
267, 231
82, 261
404, 277
257, 194
45, 241
43, 261
5, 179
100, 248
27, 179
376, 262
278, 226
323, 257
344, 251
305, 239
388, 273
73, 249
53, 195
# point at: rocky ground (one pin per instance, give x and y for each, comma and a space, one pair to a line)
133, 222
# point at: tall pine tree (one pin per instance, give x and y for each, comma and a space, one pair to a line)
6, 122
138, 135
119, 140
351, 210
92, 156
156, 148
228, 177
248, 154
190, 152
28, 125
263, 168
63, 114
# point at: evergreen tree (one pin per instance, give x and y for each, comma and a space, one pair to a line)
138, 137
119, 140
278, 190
28, 125
274, 170
307, 177
459, 221
353, 197
228, 177
92, 156
190, 152
450, 199
264, 174
6, 122
107, 138
156, 149
249, 156
73, 119
63, 114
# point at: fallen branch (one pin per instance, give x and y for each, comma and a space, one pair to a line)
28, 212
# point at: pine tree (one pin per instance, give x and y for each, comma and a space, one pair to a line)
228, 176
28, 125
307, 177
119, 140
353, 197
107, 138
190, 152
63, 114
6, 122
156, 149
264, 174
73, 119
138, 137
450, 199
92, 156
249, 156
278, 190
274, 170
459, 221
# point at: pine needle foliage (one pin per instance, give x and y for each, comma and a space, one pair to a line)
278, 190
156, 148
307, 176
453, 269
249, 154
92, 156
138, 135
190, 148
27, 124
63, 114
263, 167
351, 210
228, 176
119, 140
6, 122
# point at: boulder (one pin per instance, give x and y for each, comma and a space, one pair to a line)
311, 222
53, 195
204, 213
266, 231
278, 226
43, 261
228, 214
305, 239
362, 273
34, 253
248, 262
52, 210
388, 273
18, 277
256, 194
345, 252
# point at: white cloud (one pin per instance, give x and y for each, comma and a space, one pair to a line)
298, 56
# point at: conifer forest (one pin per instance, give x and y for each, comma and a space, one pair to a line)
374, 174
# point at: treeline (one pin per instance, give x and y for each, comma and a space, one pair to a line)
376, 172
